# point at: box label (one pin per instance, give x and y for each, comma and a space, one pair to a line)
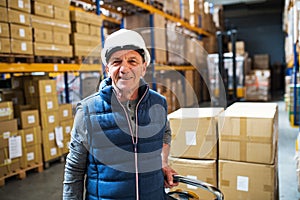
22, 32
5, 112
31, 119
6, 135
22, 18
31, 89
51, 136
190, 138
65, 113
20, 4
242, 183
59, 136
51, 119
30, 156
15, 147
68, 129
49, 105
53, 151
23, 46
29, 138
48, 88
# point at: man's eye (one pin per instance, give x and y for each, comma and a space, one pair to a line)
116, 62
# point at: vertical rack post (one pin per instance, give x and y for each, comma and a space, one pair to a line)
152, 50
67, 97
98, 12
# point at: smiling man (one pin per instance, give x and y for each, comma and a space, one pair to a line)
121, 137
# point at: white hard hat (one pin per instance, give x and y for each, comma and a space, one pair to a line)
124, 39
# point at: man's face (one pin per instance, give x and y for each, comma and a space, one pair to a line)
126, 67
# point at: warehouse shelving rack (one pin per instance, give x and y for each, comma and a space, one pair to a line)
11, 68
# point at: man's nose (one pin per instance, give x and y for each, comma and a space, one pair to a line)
124, 68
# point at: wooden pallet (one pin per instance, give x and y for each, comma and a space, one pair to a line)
87, 60
16, 58
21, 173
59, 159
52, 59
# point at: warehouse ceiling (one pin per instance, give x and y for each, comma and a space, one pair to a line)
231, 2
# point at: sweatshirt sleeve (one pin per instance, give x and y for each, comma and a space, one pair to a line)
75, 167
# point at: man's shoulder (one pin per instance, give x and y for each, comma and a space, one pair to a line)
91, 97
155, 94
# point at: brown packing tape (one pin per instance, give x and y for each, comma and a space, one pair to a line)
268, 188
225, 183
243, 139
243, 132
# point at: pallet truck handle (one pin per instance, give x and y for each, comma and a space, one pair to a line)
200, 184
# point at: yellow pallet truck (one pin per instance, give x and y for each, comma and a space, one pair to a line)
187, 195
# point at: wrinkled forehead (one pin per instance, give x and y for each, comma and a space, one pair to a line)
121, 54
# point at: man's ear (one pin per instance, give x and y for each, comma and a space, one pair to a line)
107, 70
144, 69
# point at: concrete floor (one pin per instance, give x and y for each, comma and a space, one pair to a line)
48, 184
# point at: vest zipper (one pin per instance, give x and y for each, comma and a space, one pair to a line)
134, 139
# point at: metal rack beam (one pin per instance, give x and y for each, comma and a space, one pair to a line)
47, 67
151, 9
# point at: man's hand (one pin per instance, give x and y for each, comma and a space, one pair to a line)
168, 174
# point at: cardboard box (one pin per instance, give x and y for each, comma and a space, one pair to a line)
86, 40
31, 136
21, 46
38, 88
43, 9
4, 30
5, 45
50, 148
17, 82
21, 5
32, 155
241, 180
39, 22
4, 162
14, 95
261, 61
248, 132
18, 17
194, 133
3, 3
65, 149
239, 47
65, 112
8, 129
67, 128
48, 103
49, 119
6, 110
95, 30
202, 170
50, 24
7, 165
43, 49
42, 35
61, 38
82, 50
61, 13
20, 32
80, 27
3, 14
29, 118
85, 17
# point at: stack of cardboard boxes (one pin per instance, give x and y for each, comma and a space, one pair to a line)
85, 37
258, 82
194, 146
248, 166
8, 129
51, 28
245, 164
16, 32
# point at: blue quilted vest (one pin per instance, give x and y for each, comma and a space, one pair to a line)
114, 170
